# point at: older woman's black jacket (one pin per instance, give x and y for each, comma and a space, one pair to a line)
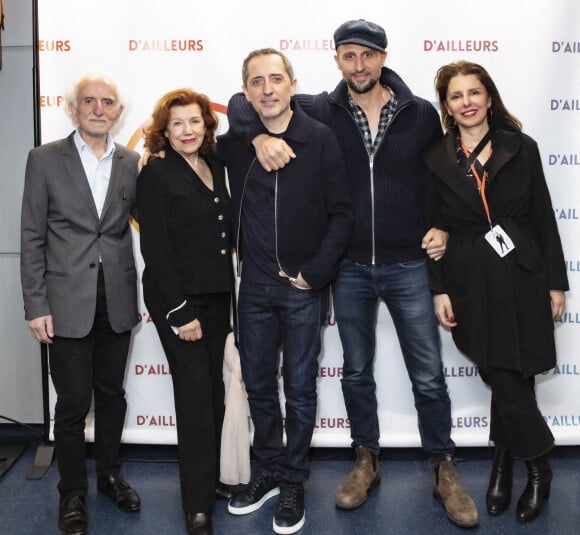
185, 235
501, 305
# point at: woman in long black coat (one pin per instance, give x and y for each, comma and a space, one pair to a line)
501, 283
184, 214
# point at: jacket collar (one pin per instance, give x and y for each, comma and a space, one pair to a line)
76, 174
441, 159
506, 144
185, 172
389, 78
297, 129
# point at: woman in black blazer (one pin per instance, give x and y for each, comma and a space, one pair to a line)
500, 285
185, 220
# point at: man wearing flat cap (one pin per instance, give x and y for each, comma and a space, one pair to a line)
383, 129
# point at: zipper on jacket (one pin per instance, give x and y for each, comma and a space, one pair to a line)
238, 266
276, 224
371, 167
372, 175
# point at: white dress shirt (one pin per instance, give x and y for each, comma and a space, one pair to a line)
98, 171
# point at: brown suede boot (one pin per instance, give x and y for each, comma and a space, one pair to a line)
365, 476
461, 509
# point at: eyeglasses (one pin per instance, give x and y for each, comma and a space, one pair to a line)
106, 103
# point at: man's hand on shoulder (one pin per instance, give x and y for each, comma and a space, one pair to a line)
146, 156
273, 153
41, 329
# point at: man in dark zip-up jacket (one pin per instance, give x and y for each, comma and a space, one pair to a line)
292, 227
383, 130
314, 216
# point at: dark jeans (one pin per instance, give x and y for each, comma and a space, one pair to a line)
405, 290
270, 318
198, 391
516, 422
81, 367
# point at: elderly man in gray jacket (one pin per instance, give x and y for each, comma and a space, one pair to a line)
79, 287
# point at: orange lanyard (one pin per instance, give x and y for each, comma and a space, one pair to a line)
480, 181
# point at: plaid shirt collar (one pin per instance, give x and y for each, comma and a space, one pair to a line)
360, 118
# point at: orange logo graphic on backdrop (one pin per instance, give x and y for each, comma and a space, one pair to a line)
306, 45
54, 45
51, 101
165, 45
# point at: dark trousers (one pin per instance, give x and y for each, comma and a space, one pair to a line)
270, 318
198, 390
516, 421
81, 367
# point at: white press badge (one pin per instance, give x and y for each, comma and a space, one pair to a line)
500, 241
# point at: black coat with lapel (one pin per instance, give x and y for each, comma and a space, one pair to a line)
501, 305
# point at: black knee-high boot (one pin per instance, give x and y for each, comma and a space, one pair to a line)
537, 489
499, 491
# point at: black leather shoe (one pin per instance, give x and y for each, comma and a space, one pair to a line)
499, 491
223, 491
72, 515
199, 524
537, 489
123, 496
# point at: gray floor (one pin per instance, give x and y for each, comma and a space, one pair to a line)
402, 505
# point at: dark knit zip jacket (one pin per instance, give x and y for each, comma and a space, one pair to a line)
314, 216
388, 191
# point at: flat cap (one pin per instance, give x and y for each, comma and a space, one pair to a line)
361, 32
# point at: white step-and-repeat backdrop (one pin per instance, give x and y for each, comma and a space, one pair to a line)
532, 52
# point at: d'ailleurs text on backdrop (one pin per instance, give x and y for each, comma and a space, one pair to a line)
200, 45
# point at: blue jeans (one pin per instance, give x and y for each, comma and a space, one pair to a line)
270, 318
404, 288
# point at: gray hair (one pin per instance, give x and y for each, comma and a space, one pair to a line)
71, 95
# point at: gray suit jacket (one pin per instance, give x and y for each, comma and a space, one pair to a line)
62, 236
